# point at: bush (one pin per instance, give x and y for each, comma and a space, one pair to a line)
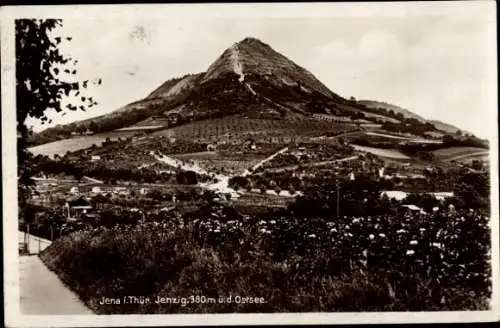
294, 264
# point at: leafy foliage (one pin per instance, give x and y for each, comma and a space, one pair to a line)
43, 81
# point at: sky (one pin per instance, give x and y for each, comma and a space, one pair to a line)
437, 61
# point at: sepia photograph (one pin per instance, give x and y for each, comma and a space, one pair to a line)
250, 163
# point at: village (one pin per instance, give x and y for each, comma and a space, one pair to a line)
80, 186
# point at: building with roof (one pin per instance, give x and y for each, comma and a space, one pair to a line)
78, 208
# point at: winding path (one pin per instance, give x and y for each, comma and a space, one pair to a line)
222, 184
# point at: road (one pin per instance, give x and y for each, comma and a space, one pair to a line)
40, 290
267, 159
222, 184
293, 167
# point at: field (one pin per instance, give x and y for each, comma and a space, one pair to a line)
140, 128
390, 153
60, 147
403, 138
460, 153
227, 128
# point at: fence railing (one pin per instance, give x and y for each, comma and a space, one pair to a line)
29, 244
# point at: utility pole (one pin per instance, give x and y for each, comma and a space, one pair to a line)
338, 200
28, 236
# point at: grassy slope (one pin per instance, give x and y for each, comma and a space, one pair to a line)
459, 152
387, 106
178, 260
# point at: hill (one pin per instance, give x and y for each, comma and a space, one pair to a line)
384, 107
248, 77
389, 107
447, 127
254, 81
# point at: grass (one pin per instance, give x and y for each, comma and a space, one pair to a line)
447, 154
295, 265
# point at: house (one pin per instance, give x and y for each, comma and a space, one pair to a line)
106, 190
96, 190
143, 191
74, 190
95, 158
78, 208
121, 190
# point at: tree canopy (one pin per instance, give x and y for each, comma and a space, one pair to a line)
45, 80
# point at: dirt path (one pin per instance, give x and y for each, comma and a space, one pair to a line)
294, 167
267, 159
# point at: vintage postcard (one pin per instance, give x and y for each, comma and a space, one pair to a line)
222, 164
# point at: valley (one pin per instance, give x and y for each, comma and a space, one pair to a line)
254, 178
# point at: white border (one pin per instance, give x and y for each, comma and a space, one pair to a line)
485, 9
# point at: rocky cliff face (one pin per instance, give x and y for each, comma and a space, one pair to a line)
251, 57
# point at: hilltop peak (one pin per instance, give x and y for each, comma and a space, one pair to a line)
251, 40
252, 57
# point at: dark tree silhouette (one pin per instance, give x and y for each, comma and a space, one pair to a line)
42, 83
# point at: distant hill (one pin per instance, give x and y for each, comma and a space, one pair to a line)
447, 128
394, 108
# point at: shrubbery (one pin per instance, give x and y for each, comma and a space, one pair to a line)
373, 263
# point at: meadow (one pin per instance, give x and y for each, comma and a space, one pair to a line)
461, 153
390, 153
405, 262
61, 147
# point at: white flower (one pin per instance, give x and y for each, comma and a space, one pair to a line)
414, 242
263, 230
410, 252
382, 235
349, 234
371, 237
438, 245
312, 236
272, 222
333, 230
216, 230
401, 231
422, 229
262, 222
